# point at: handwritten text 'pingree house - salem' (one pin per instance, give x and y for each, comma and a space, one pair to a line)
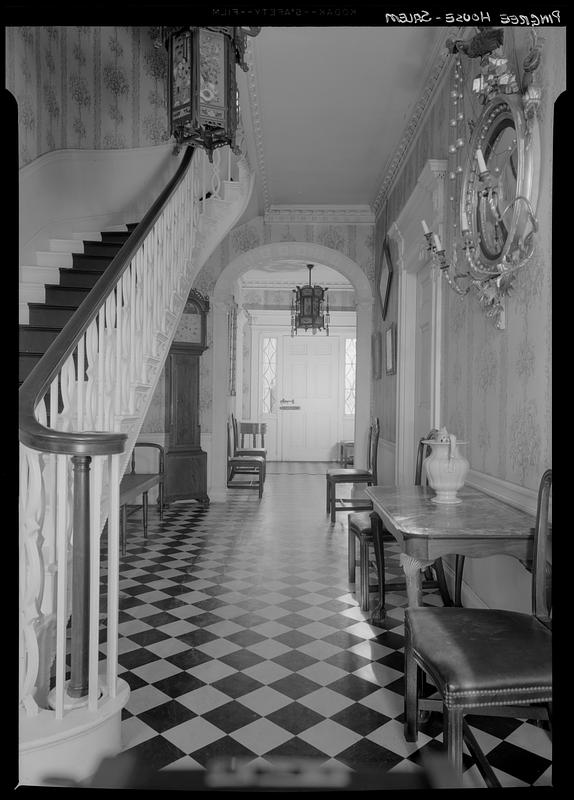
456, 18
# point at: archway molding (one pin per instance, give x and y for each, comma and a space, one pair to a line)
223, 297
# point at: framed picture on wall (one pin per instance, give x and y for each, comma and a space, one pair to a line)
377, 355
385, 277
391, 349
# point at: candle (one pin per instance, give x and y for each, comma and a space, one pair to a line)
425, 227
437, 242
481, 161
464, 221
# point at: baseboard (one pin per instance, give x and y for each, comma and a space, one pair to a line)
511, 493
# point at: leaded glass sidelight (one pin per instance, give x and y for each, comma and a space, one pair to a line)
350, 373
268, 374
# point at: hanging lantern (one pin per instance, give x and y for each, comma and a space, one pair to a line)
309, 308
203, 105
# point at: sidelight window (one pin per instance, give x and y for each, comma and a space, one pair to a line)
350, 374
268, 374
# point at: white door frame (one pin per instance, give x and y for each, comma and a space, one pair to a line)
426, 202
223, 297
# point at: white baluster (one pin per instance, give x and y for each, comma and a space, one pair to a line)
80, 386
62, 510
94, 612
101, 368
113, 573
118, 358
30, 573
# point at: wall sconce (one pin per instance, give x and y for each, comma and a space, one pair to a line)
203, 103
493, 178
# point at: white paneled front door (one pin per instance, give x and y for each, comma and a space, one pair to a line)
311, 399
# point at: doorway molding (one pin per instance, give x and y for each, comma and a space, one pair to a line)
425, 202
224, 297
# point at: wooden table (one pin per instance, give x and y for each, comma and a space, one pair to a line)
479, 526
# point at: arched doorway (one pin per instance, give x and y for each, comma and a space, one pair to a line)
222, 300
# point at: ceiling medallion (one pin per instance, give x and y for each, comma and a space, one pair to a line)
494, 167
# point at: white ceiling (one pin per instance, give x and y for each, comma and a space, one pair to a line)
332, 105
327, 109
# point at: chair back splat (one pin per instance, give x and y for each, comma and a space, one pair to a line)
373, 453
423, 450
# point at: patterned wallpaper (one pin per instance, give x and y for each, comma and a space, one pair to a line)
87, 87
496, 385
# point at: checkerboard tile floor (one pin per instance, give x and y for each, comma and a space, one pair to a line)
240, 635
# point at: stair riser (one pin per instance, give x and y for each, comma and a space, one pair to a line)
49, 316
83, 261
101, 249
113, 237
36, 341
66, 296
76, 277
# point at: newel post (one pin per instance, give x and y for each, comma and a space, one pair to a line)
78, 686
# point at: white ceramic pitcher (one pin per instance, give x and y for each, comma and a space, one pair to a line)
446, 467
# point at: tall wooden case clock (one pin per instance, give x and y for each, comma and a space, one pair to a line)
185, 461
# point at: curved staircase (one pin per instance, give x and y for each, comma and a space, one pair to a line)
92, 346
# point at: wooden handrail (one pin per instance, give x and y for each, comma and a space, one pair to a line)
33, 433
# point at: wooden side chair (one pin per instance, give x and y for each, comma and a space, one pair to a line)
362, 528
249, 439
482, 660
243, 465
353, 475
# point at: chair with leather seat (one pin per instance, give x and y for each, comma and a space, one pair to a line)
362, 527
482, 660
353, 475
246, 432
243, 465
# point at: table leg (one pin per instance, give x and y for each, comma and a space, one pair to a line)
412, 568
379, 612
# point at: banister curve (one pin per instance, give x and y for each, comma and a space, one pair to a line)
33, 433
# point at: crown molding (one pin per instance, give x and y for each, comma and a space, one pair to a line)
437, 71
253, 90
319, 214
